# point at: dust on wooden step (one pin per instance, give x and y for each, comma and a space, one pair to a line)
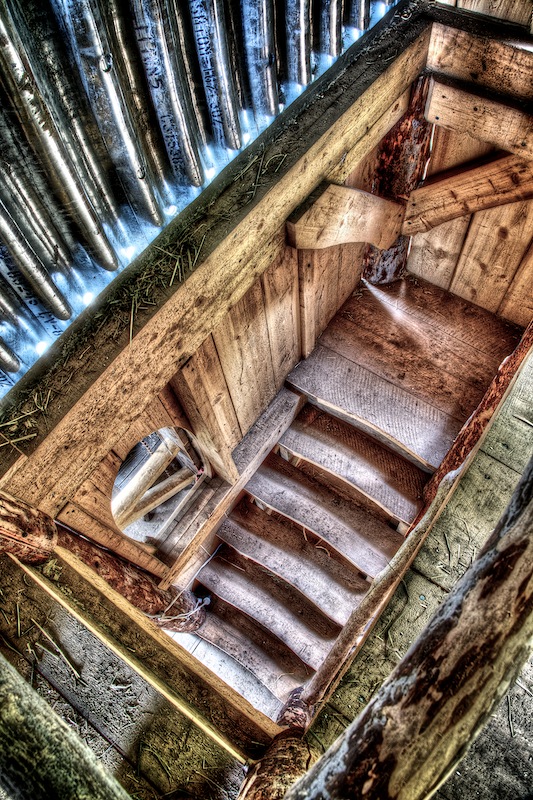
285, 550
254, 648
233, 586
393, 483
415, 429
352, 532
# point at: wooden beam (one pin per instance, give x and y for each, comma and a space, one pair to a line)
40, 755
512, 10
504, 180
265, 186
24, 531
500, 66
488, 120
340, 215
418, 726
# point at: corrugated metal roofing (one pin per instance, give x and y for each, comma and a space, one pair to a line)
114, 114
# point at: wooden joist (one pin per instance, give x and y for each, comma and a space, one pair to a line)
504, 180
340, 215
502, 66
489, 120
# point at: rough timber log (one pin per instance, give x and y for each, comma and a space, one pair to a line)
25, 531
419, 725
32, 536
402, 159
40, 756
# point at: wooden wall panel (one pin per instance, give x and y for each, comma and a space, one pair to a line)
452, 149
282, 310
517, 305
493, 250
202, 389
434, 254
243, 347
513, 10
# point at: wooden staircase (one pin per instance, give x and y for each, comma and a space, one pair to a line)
329, 506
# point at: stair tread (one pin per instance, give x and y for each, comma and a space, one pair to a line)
233, 586
223, 630
284, 550
236, 675
393, 483
413, 427
353, 532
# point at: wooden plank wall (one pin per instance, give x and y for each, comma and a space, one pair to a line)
518, 11
486, 257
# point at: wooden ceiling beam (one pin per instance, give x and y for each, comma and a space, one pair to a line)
503, 180
488, 120
340, 215
499, 66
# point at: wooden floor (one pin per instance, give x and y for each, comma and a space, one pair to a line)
391, 381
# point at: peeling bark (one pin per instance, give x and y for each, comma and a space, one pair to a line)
25, 532
420, 724
402, 159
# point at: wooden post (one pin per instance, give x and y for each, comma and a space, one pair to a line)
402, 159
25, 531
40, 756
288, 757
418, 727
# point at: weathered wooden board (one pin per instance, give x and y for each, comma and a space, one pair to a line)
264, 654
406, 365
502, 66
230, 265
512, 10
239, 590
492, 252
203, 391
434, 254
467, 521
502, 181
79, 520
454, 149
343, 451
354, 534
517, 304
243, 346
490, 121
456, 317
340, 215
418, 431
283, 549
351, 160
282, 311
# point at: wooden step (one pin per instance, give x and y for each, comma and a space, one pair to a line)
233, 673
284, 550
415, 429
363, 540
232, 584
255, 648
376, 472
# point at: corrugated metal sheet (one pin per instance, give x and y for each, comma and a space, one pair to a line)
113, 116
